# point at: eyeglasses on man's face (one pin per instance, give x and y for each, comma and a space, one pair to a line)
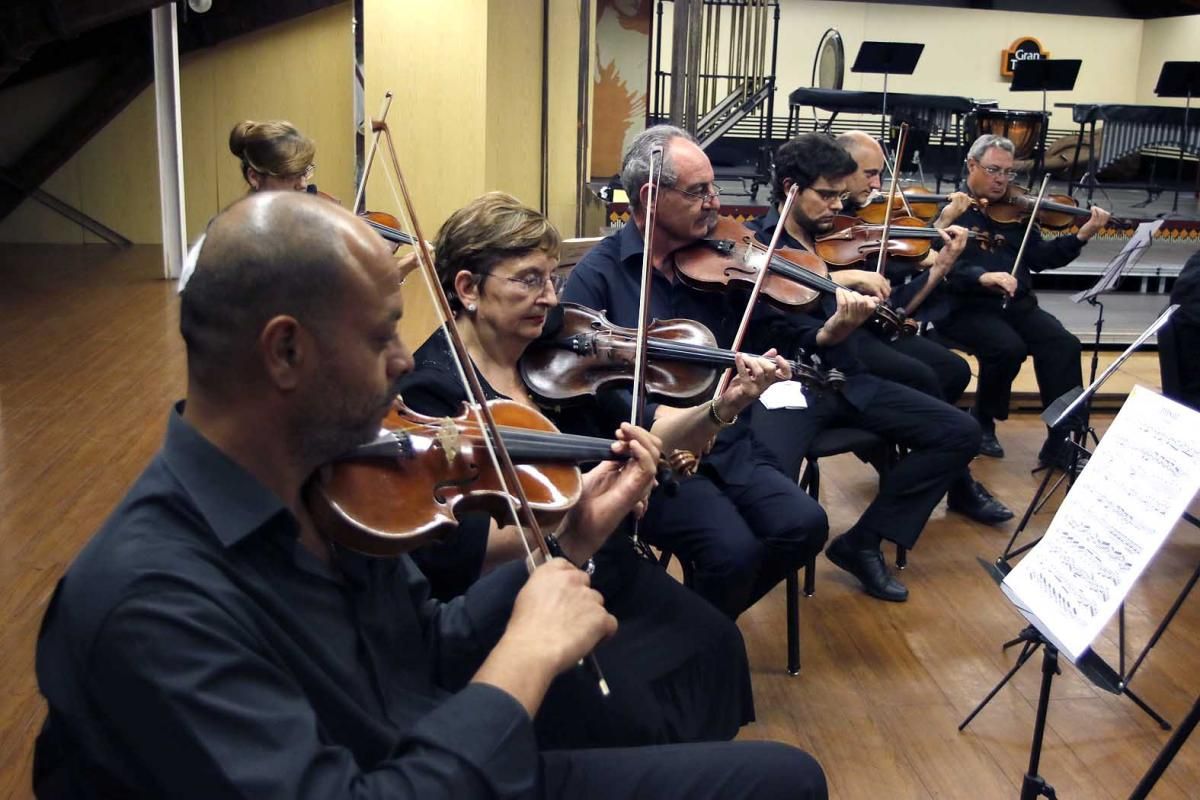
998, 172
829, 195
706, 194
533, 283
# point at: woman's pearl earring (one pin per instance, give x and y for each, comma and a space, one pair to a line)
471, 307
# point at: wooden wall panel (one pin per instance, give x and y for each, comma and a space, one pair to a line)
301, 70
514, 99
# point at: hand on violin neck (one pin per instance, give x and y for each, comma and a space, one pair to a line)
958, 204
853, 309
863, 281
556, 620
752, 376
955, 241
611, 491
1095, 222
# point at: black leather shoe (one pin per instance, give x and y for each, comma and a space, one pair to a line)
990, 446
969, 498
868, 567
1059, 456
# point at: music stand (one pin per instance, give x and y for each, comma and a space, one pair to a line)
1179, 79
1064, 418
1045, 75
1098, 547
1124, 261
887, 58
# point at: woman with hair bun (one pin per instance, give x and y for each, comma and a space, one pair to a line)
275, 155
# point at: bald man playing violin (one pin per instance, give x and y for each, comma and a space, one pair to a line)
210, 641
1000, 335
919, 361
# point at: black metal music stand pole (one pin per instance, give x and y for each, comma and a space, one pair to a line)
1127, 677
1167, 754
887, 58
1179, 79
1034, 785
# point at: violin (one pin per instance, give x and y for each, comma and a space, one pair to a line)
384, 223
409, 485
1057, 211
731, 256
917, 201
589, 353
852, 242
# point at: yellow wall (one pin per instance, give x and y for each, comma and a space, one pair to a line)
466, 115
299, 70
513, 136
563, 113
1170, 39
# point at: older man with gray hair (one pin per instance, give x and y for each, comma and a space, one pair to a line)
1001, 334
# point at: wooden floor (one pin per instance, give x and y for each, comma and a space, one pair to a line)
90, 360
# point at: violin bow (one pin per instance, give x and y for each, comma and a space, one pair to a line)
757, 288
901, 140
510, 482
893, 167
381, 120
638, 410
1029, 227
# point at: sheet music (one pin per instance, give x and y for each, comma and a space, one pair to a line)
1140, 480
1123, 261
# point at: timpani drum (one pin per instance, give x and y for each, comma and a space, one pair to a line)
1024, 128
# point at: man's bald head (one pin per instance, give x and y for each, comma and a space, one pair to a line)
269, 254
868, 155
856, 142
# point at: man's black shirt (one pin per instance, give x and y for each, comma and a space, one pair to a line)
1000, 253
609, 278
196, 649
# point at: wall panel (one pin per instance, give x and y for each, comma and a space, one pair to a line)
299, 70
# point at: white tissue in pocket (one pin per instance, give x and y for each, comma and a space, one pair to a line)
785, 394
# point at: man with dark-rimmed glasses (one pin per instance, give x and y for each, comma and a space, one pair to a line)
1001, 334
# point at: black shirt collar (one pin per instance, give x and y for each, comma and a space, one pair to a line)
629, 242
232, 501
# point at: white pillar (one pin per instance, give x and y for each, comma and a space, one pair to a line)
170, 138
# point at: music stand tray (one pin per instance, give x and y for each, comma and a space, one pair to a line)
1045, 75
887, 58
1179, 79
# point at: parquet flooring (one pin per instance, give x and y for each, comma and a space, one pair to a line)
90, 360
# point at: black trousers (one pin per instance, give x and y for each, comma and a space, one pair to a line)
741, 540
726, 770
1001, 338
917, 362
941, 441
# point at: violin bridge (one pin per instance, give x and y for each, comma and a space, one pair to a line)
447, 437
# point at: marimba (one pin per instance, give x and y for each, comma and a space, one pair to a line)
1128, 129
